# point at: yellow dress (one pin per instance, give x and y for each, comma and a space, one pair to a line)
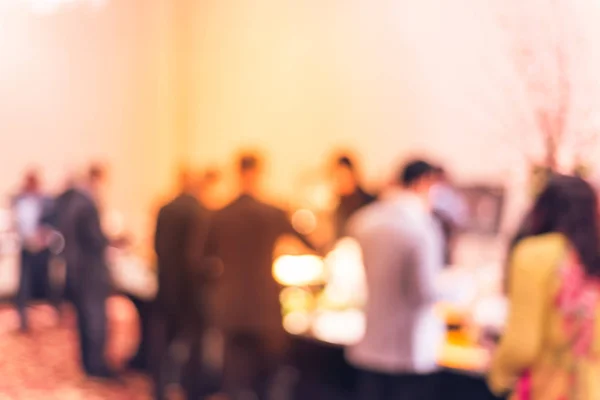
536, 340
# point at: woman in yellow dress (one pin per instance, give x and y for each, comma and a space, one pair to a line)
551, 347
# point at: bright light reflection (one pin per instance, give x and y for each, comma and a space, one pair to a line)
297, 323
340, 327
301, 270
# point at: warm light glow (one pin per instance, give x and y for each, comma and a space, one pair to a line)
296, 299
304, 221
297, 323
346, 283
301, 270
343, 327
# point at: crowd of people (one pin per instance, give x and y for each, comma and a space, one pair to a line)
215, 274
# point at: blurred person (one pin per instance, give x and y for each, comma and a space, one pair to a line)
75, 215
181, 231
402, 255
549, 347
243, 236
450, 208
208, 188
29, 207
351, 194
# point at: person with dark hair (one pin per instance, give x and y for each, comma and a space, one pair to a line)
550, 343
29, 207
351, 194
75, 215
247, 310
402, 255
181, 230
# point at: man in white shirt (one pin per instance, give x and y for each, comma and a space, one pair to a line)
29, 207
402, 250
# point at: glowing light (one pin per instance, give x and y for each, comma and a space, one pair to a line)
297, 322
296, 299
340, 327
346, 283
298, 270
304, 221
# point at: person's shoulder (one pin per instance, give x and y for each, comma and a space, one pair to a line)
370, 213
542, 251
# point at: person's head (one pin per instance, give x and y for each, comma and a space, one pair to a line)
31, 181
95, 180
417, 176
568, 205
186, 180
96, 175
440, 174
345, 176
249, 170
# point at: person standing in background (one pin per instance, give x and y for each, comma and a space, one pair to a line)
75, 215
181, 231
247, 310
29, 207
350, 193
401, 247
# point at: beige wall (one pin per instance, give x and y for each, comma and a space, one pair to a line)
145, 84
90, 84
387, 78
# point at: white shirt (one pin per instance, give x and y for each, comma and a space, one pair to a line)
402, 250
28, 213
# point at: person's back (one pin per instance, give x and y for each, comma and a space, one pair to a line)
88, 281
179, 232
401, 329
78, 221
402, 254
179, 314
539, 340
246, 304
550, 347
244, 235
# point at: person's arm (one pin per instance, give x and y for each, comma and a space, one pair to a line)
522, 340
159, 242
196, 241
286, 228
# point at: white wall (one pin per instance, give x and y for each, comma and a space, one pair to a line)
86, 84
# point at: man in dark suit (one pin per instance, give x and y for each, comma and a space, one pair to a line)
243, 236
88, 286
181, 231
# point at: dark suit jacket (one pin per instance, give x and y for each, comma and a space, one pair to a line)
75, 216
181, 231
243, 235
348, 206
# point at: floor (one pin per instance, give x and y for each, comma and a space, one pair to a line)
43, 364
